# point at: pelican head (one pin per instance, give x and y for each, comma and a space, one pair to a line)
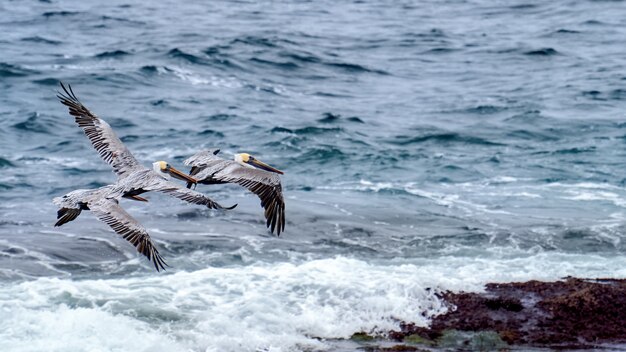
248, 160
166, 170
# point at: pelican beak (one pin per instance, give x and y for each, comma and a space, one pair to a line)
263, 166
181, 176
138, 198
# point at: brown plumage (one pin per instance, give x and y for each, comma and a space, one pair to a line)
208, 168
104, 203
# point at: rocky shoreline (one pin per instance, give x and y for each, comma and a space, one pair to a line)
569, 314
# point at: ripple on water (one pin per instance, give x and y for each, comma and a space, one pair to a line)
41, 40
112, 54
34, 123
180, 54
51, 14
542, 52
10, 70
5, 163
444, 138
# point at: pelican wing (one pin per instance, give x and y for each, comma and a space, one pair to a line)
110, 212
188, 195
209, 168
101, 135
65, 215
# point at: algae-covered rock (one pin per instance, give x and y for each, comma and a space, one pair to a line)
483, 341
361, 337
418, 340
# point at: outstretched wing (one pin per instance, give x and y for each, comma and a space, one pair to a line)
209, 168
101, 135
110, 212
188, 195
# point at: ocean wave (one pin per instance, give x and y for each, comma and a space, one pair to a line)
279, 65
542, 52
486, 109
112, 54
5, 163
34, 123
191, 76
42, 40
47, 81
279, 306
615, 94
270, 42
322, 154
443, 138
330, 118
50, 14
305, 58
9, 70
526, 134
314, 130
179, 54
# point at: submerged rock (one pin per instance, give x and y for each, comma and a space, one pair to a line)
573, 313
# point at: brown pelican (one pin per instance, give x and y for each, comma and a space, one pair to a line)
247, 171
104, 203
132, 176
133, 180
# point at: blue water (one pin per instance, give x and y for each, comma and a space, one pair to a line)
432, 145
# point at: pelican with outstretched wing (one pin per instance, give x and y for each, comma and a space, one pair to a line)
247, 171
133, 179
104, 203
132, 176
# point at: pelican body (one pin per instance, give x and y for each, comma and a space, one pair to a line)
247, 171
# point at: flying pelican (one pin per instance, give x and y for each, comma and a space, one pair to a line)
132, 176
104, 203
247, 171
133, 180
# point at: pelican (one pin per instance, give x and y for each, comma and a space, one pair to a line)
247, 171
133, 180
133, 177
104, 203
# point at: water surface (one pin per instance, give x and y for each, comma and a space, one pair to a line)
426, 146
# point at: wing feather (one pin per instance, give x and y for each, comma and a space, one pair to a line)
111, 213
188, 195
102, 137
65, 215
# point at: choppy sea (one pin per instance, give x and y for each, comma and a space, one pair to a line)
427, 146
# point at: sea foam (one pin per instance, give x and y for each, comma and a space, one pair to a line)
273, 307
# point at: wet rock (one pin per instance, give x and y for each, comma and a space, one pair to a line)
396, 348
577, 313
361, 337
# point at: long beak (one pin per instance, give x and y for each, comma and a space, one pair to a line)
263, 166
181, 176
138, 198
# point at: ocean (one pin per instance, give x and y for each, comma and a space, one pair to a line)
427, 146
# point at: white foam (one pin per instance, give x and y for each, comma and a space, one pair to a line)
612, 197
197, 79
277, 307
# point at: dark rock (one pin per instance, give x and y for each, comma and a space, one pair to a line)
577, 313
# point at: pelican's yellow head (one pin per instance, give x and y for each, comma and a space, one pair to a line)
166, 170
242, 158
160, 166
248, 160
